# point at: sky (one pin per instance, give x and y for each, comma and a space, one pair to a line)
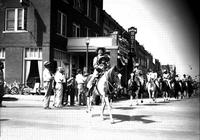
168, 29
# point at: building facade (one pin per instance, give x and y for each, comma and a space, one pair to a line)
34, 31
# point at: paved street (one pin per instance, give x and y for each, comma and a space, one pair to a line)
23, 118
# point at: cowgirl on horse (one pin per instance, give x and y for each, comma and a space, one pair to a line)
152, 84
165, 85
100, 64
135, 84
102, 78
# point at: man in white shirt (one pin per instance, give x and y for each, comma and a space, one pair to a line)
80, 80
47, 82
59, 78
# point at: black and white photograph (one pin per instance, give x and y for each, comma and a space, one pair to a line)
99, 70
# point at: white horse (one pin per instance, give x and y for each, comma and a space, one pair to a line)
103, 87
151, 89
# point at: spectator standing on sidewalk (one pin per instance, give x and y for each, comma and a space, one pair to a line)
47, 82
1, 83
80, 80
71, 88
59, 78
64, 99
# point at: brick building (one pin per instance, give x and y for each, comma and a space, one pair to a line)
34, 31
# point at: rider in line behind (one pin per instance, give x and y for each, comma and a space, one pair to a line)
166, 87
166, 77
152, 77
136, 78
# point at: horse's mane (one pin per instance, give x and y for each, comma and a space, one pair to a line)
110, 73
88, 78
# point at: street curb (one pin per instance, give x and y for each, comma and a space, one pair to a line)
24, 97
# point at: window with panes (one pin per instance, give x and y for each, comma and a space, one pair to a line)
61, 24
75, 30
15, 19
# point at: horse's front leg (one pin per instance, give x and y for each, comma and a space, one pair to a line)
137, 96
131, 98
165, 95
109, 109
153, 96
89, 104
149, 94
103, 104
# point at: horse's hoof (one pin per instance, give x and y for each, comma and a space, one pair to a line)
112, 122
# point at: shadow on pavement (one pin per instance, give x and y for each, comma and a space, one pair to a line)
124, 108
138, 118
69, 108
153, 104
23, 106
9, 99
4, 120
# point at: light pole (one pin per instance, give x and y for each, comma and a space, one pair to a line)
87, 45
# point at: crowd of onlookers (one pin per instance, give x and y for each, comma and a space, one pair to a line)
66, 91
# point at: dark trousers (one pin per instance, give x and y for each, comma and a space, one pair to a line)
65, 96
70, 91
1, 93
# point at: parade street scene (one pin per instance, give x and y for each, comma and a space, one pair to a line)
99, 70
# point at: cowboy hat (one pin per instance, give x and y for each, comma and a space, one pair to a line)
137, 64
46, 63
61, 69
101, 48
79, 71
85, 74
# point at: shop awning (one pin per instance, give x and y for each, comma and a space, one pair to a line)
79, 44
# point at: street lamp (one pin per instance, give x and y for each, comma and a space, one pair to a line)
87, 44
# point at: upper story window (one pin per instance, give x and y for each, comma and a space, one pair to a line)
96, 14
62, 24
78, 4
2, 53
86, 31
88, 8
15, 19
75, 30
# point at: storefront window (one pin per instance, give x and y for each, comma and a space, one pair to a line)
2, 58
33, 66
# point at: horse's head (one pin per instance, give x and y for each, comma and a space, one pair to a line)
112, 76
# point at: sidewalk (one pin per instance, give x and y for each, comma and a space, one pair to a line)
24, 97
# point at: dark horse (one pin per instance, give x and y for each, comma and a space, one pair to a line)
136, 86
165, 89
